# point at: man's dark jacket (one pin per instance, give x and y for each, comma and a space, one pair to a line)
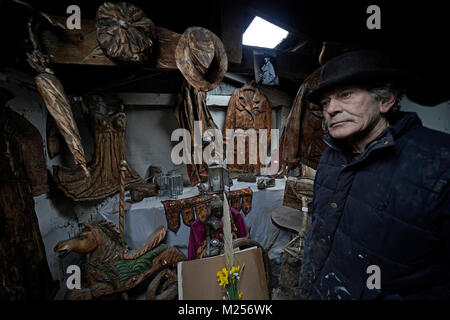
388, 207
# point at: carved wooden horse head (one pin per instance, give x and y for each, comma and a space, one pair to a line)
93, 237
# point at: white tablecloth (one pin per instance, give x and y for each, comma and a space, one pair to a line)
145, 216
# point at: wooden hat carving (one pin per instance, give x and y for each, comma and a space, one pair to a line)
201, 58
124, 33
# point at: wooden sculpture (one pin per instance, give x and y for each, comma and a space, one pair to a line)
109, 124
24, 271
192, 107
248, 109
56, 101
201, 58
301, 141
124, 33
111, 267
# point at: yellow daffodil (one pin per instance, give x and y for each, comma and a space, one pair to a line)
222, 277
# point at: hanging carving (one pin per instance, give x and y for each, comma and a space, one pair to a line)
201, 58
109, 124
198, 207
301, 141
192, 107
55, 100
248, 109
23, 263
124, 33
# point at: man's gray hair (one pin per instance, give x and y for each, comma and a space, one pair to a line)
384, 92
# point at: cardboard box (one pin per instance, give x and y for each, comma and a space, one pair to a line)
197, 279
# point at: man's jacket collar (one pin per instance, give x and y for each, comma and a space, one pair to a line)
400, 122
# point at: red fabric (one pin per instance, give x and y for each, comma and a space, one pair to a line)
198, 233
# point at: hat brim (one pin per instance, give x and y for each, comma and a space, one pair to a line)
366, 77
190, 72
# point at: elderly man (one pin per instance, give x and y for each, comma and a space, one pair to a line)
381, 210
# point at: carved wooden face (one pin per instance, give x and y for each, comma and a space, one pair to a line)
250, 100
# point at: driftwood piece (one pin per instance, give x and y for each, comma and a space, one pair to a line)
248, 109
124, 33
24, 271
163, 287
139, 191
104, 170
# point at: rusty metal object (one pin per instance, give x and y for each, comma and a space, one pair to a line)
124, 33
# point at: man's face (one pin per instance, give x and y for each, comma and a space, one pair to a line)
350, 112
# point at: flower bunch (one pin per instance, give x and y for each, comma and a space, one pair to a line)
229, 280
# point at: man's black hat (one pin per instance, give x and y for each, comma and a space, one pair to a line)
356, 68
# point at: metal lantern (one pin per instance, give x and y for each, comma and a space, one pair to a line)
218, 178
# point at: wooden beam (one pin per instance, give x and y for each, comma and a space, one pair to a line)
165, 99
81, 46
147, 99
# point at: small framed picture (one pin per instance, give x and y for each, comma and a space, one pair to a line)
265, 68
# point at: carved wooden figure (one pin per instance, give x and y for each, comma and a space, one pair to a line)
109, 126
56, 101
248, 109
192, 107
111, 267
24, 271
124, 33
301, 141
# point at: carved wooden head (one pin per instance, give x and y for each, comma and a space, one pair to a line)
84, 242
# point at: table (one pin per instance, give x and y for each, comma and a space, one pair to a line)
145, 216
